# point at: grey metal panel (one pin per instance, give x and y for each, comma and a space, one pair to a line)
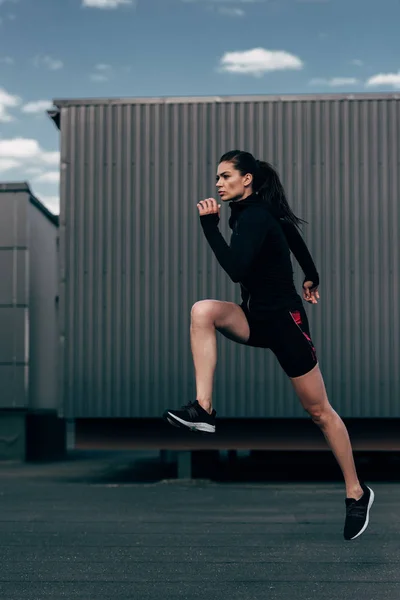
13, 386
7, 276
43, 338
13, 269
13, 222
134, 260
14, 295
13, 323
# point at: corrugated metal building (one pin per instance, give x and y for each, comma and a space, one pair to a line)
29, 339
134, 259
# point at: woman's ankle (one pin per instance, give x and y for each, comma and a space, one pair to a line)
206, 405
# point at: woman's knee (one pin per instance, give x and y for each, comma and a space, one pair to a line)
203, 310
321, 414
311, 391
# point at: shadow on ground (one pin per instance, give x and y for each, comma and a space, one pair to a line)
105, 467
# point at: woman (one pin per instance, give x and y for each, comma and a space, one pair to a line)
271, 314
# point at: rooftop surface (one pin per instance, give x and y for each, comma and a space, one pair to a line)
88, 528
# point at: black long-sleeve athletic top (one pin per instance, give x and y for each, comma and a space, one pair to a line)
258, 256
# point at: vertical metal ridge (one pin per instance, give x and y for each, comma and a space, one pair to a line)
354, 319
157, 284
134, 259
71, 370
99, 268
80, 225
128, 301
88, 258
384, 198
108, 261
119, 316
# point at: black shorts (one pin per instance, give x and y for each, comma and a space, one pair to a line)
287, 334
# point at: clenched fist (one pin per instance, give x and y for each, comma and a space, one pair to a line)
209, 206
310, 292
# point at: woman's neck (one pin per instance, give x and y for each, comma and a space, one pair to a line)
245, 196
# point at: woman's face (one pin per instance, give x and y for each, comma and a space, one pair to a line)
231, 184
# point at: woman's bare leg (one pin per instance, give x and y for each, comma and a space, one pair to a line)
208, 316
310, 388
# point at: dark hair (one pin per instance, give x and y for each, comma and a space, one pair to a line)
266, 183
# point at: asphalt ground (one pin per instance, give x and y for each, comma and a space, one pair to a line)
89, 528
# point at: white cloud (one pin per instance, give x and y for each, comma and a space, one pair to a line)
26, 160
10, 17
40, 106
103, 75
106, 4
6, 60
357, 62
28, 152
230, 11
338, 81
50, 158
335, 81
259, 61
227, 8
7, 101
53, 64
51, 202
34, 171
19, 148
384, 80
97, 77
6, 164
49, 177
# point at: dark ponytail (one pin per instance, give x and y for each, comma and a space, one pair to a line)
266, 184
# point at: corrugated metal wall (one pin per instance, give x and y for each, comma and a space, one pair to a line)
14, 297
44, 392
134, 258
29, 340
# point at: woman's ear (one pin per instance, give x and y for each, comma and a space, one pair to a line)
248, 179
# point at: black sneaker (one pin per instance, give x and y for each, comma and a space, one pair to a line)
193, 417
357, 514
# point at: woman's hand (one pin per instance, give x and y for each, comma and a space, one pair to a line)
310, 293
209, 206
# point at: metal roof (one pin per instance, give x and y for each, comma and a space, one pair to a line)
60, 103
24, 187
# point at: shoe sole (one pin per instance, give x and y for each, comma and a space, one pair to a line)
370, 503
201, 427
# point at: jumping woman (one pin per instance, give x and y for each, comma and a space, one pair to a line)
271, 314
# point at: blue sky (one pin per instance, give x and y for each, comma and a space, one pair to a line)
119, 48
